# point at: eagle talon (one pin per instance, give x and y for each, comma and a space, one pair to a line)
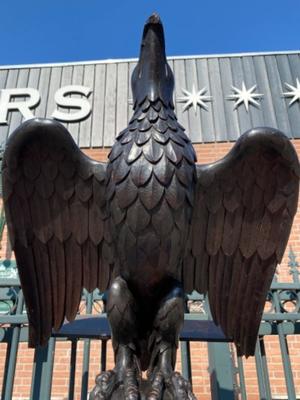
178, 387
106, 383
157, 386
131, 387
109, 382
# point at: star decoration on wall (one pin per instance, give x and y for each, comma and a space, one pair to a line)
294, 92
194, 98
244, 95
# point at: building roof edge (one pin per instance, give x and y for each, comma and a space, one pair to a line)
123, 60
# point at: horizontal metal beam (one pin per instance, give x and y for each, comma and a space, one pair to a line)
14, 319
205, 331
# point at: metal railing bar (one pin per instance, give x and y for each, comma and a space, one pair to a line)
17, 319
48, 369
13, 352
281, 316
271, 328
103, 355
42, 371
266, 317
7, 282
263, 395
10, 282
85, 368
186, 368
36, 381
72, 370
266, 329
185, 353
284, 286
289, 380
242, 378
220, 371
265, 367
287, 366
86, 352
7, 357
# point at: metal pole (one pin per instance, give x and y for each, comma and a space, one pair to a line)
289, 380
242, 378
13, 351
86, 352
265, 367
42, 371
186, 368
72, 369
103, 354
221, 374
263, 385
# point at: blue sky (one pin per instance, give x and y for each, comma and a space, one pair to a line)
35, 31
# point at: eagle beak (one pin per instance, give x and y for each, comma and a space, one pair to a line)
152, 77
153, 44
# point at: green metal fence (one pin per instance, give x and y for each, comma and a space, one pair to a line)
227, 376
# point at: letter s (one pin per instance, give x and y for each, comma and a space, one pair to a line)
82, 104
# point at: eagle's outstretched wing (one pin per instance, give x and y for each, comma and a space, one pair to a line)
244, 209
54, 199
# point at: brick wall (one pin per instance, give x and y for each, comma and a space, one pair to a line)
206, 153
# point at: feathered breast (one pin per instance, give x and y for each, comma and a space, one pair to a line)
151, 179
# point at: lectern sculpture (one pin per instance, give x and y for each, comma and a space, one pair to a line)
149, 225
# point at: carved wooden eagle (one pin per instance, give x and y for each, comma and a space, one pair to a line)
150, 223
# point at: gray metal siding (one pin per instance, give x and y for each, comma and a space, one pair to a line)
111, 97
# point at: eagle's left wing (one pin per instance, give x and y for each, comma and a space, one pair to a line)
55, 206
244, 209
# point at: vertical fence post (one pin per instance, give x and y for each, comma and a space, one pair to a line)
86, 351
103, 354
262, 371
220, 367
72, 369
12, 349
185, 353
42, 371
186, 361
221, 373
241, 373
286, 361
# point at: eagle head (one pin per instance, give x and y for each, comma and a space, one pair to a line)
152, 78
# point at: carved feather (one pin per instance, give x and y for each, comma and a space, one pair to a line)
153, 151
55, 221
141, 172
58, 279
161, 138
245, 228
142, 137
164, 171
152, 193
44, 287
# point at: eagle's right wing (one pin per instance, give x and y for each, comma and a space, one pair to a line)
243, 214
55, 206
